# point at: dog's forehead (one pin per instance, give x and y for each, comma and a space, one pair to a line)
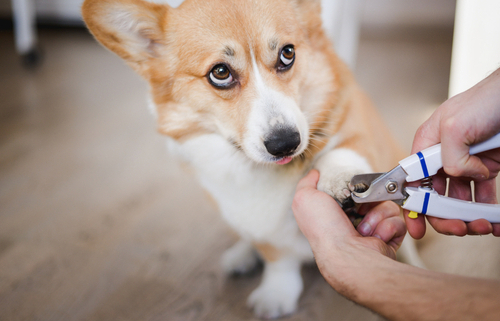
232, 25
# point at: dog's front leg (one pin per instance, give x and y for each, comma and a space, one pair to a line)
241, 258
281, 285
336, 169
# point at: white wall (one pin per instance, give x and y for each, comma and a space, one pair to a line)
476, 47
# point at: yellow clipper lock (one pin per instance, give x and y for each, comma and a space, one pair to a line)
413, 215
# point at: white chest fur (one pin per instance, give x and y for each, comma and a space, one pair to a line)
254, 199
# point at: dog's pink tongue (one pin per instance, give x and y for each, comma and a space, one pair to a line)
284, 160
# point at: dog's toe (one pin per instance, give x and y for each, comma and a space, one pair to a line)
279, 292
269, 304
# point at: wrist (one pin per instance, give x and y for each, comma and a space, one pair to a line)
345, 266
355, 270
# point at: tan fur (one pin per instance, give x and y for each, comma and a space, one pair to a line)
268, 252
364, 131
187, 60
178, 55
175, 50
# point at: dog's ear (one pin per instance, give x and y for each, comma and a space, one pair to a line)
308, 5
133, 29
309, 12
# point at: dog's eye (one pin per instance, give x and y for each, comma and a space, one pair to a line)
287, 57
220, 76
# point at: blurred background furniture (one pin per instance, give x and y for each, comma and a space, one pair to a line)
23, 12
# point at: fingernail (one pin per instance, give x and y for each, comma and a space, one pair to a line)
478, 177
365, 229
377, 236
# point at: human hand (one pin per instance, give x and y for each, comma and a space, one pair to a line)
336, 244
463, 120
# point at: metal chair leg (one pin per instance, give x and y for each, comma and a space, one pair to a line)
25, 31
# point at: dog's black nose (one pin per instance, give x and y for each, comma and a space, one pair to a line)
282, 142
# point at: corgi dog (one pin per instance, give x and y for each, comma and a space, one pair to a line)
252, 95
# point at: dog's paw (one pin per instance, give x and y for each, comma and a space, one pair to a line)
241, 258
336, 169
271, 303
336, 184
277, 295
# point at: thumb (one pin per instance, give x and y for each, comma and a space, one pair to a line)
456, 159
318, 215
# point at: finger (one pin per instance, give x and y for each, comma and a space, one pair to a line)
448, 227
439, 182
427, 134
376, 215
455, 142
389, 229
479, 227
416, 226
367, 207
496, 229
310, 180
486, 191
460, 189
318, 215
491, 159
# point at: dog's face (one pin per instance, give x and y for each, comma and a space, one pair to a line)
247, 70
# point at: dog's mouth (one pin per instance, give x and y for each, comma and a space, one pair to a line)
284, 160
287, 158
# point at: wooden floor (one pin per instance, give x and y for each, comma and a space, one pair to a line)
97, 222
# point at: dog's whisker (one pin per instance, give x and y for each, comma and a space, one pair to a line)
318, 140
307, 151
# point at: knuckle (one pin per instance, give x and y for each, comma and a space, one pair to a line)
450, 124
394, 224
454, 170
